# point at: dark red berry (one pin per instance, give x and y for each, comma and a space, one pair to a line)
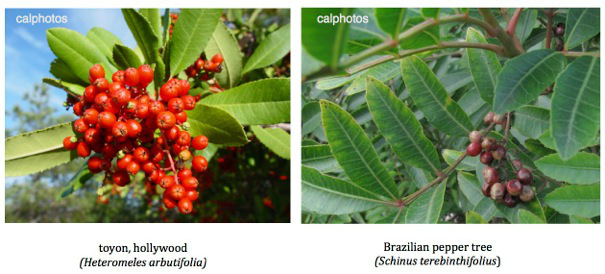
514, 187
490, 175
486, 158
525, 176
473, 149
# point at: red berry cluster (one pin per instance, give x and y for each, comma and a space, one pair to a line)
174, 17
493, 155
120, 119
204, 69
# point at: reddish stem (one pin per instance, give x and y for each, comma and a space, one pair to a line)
167, 151
549, 16
512, 24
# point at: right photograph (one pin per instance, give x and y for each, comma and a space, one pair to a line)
452, 115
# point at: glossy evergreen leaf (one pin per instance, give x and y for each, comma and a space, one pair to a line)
484, 66
431, 98
272, 49
473, 217
467, 164
400, 128
487, 209
143, 33
575, 121
382, 73
524, 77
124, 57
76, 182
527, 22
191, 35
276, 139
223, 42
73, 89
311, 117
319, 157
261, 102
329, 195
218, 125
390, 20
471, 187
581, 25
579, 220
37, 151
583, 168
354, 152
155, 20
582, 201
103, 39
61, 71
526, 217
531, 121
426, 209
427, 37
324, 41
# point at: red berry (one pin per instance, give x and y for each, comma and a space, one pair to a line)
177, 192
199, 64
199, 163
120, 178
199, 142
89, 94
145, 75
165, 120
184, 173
189, 102
121, 96
167, 181
80, 126
156, 107
125, 161
473, 149
497, 191
181, 117
486, 158
83, 149
486, 189
119, 129
107, 119
148, 167
134, 128
514, 187
190, 183
142, 110
510, 200
475, 136
185, 206
118, 76
96, 71
95, 164
92, 136
70, 142
176, 105
91, 116
133, 167
192, 195
490, 175
185, 86
144, 99
109, 151
78, 108
141, 154
168, 202
488, 144
217, 58
131, 77
172, 133
101, 84
525, 176
184, 138
169, 91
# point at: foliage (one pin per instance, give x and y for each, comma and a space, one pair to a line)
389, 105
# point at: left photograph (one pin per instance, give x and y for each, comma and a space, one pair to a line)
149, 115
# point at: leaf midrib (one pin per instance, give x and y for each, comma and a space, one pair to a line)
576, 104
573, 29
344, 194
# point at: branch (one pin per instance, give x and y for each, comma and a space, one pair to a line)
512, 24
510, 47
576, 54
549, 16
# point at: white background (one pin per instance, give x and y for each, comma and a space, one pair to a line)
294, 248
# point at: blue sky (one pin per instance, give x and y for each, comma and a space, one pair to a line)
28, 56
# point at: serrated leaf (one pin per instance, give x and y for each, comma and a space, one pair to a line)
104, 40
319, 157
583, 168
124, 57
426, 209
354, 152
155, 20
473, 217
526, 217
576, 97
311, 117
531, 121
37, 151
467, 164
255, 103
276, 139
582, 201
390, 20
191, 35
524, 77
328, 195
581, 26
484, 66
325, 42
218, 125
382, 73
400, 128
431, 98
73, 89
77, 51
76, 182
270, 50
143, 33
224, 43
60, 70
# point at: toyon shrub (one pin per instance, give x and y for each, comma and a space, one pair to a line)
451, 116
151, 119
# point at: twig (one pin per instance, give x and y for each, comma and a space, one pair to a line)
167, 151
549, 17
512, 24
510, 46
507, 128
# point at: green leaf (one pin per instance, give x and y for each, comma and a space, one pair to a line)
579, 220
390, 20
76, 182
473, 217
324, 41
276, 139
547, 140
218, 125
426, 209
400, 128
382, 73
526, 217
37, 151
354, 152
581, 26
60, 70
467, 164
524, 77
73, 89
270, 50
143, 33
223, 42
427, 37
583, 168
103, 39
124, 57
471, 187
537, 148
484, 66
531, 121
328, 195
311, 117
208, 152
582, 201
155, 20
191, 35
319, 157
431, 98
513, 214
77, 51
487, 209
329, 83
526, 23
255, 103
576, 97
